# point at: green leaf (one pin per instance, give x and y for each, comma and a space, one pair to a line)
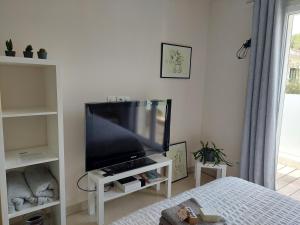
202, 143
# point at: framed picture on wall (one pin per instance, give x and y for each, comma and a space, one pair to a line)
175, 61
178, 153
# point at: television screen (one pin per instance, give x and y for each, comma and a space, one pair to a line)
117, 132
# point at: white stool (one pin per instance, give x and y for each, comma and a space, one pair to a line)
221, 170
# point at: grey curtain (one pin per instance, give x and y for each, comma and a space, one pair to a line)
260, 142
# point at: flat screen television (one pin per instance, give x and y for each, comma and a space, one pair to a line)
117, 132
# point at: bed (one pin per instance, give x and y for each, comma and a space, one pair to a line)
238, 201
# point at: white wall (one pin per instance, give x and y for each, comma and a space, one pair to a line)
112, 47
226, 78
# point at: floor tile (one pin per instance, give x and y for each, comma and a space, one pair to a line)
291, 188
296, 195
280, 166
284, 171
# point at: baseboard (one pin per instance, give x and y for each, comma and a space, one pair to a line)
206, 171
191, 170
76, 208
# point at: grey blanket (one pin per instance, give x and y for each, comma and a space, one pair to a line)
18, 193
162, 221
239, 202
170, 215
42, 184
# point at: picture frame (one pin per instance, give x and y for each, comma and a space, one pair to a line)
175, 61
178, 153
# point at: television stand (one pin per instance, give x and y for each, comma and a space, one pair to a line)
130, 165
97, 180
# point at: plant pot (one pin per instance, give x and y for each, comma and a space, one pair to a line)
210, 156
35, 220
42, 55
10, 53
28, 54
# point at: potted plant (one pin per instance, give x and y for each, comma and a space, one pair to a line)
9, 47
210, 153
28, 52
35, 220
42, 53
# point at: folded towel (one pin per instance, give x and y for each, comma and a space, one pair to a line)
170, 215
41, 182
43, 200
18, 192
25, 205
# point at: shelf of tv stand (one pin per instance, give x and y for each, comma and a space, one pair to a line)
97, 182
160, 160
115, 192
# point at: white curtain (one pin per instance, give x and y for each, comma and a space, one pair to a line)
260, 144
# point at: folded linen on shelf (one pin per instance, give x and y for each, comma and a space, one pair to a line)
43, 200
42, 183
18, 193
170, 215
11, 207
24, 205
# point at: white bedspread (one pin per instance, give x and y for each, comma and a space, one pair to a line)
238, 201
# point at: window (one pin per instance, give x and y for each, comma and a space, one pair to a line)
288, 171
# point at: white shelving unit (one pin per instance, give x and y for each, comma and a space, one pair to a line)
29, 156
97, 181
27, 112
31, 127
33, 209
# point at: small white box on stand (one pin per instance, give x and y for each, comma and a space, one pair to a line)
128, 184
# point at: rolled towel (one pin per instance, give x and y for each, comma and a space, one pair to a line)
170, 214
25, 205
18, 203
11, 207
41, 182
18, 192
44, 200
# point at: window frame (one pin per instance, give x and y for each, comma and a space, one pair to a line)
291, 8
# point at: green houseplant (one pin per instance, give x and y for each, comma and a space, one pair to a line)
42, 53
210, 153
9, 47
28, 53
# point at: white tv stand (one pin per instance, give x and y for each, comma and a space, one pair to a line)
97, 181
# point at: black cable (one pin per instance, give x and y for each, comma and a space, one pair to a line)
82, 189
243, 51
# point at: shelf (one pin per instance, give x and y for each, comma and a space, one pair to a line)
4, 60
32, 209
29, 156
27, 112
115, 192
31, 128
